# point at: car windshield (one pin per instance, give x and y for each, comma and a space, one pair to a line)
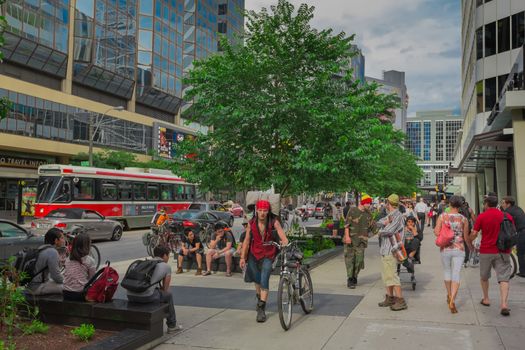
185, 214
196, 206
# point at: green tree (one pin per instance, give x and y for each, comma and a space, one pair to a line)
109, 159
5, 104
285, 110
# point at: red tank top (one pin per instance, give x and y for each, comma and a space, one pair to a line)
258, 250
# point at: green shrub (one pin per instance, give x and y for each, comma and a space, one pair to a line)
35, 326
7, 346
84, 332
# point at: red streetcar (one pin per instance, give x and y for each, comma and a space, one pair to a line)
131, 196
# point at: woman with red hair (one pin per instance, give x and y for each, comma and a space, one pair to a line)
256, 256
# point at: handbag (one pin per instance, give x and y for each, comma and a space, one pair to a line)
446, 235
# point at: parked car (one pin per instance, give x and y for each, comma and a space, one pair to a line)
310, 208
216, 208
194, 219
237, 210
96, 225
14, 238
319, 210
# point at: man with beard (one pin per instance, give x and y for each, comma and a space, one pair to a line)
357, 224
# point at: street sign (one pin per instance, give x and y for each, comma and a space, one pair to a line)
84, 163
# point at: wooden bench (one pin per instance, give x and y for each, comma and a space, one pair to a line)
145, 322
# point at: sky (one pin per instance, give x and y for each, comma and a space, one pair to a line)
420, 37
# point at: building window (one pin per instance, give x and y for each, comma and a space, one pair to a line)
479, 43
439, 177
479, 97
414, 138
222, 27
451, 137
501, 83
504, 34
223, 9
426, 139
490, 39
439, 141
518, 30
428, 179
490, 93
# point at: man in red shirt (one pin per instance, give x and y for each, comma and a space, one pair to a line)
490, 257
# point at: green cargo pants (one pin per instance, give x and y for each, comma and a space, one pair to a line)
354, 259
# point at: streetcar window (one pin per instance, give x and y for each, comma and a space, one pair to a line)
153, 192
166, 192
189, 192
139, 191
83, 188
179, 192
109, 190
124, 191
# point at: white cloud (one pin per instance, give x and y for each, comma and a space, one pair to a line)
419, 37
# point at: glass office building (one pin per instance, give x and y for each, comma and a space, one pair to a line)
67, 60
431, 137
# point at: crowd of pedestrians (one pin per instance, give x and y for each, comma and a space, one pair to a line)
399, 226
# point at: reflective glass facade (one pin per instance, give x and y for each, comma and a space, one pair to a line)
414, 138
105, 45
427, 139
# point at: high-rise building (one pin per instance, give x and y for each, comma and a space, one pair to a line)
357, 63
393, 82
69, 64
492, 101
431, 137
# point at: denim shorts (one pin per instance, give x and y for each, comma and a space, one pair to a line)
259, 271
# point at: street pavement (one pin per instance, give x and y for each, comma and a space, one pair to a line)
217, 312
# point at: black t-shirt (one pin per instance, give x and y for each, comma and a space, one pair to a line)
243, 236
227, 237
191, 244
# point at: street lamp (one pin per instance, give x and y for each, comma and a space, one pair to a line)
93, 132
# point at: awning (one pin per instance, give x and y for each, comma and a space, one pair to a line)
483, 151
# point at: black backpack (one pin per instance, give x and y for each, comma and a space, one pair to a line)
507, 237
138, 276
25, 264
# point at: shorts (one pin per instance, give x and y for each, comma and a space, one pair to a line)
500, 263
389, 271
198, 251
259, 271
212, 251
336, 224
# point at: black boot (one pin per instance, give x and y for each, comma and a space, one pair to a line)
355, 281
261, 315
349, 282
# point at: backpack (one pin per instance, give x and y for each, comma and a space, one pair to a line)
25, 264
507, 237
102, 286
138, 276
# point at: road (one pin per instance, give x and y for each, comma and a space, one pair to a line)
130, 245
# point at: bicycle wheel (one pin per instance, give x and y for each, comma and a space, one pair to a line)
285, 302
514, 264
306, 291
153, 242
95, 254
205, 236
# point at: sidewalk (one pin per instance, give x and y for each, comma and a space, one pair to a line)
218, 312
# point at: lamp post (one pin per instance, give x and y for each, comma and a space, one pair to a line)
92, 132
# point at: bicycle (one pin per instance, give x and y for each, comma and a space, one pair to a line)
162, 235
65, 251
514, 261
295, 283
205, 234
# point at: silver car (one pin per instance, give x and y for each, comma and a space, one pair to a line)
14, 238
95, 224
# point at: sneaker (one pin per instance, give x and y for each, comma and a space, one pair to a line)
399, 304
199, 272
174, 329
261, 315
179, 270
206, 273
349, 282
521, 274
228, 274
389, 301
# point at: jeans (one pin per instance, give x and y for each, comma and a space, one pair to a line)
160, 296
259, 272
521, 251
421, 217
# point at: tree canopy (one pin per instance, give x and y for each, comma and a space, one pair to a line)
285, 110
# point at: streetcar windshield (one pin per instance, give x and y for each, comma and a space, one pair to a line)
53, 189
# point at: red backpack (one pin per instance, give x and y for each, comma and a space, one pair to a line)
102, 286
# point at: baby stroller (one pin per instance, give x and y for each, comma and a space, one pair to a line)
404, 265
